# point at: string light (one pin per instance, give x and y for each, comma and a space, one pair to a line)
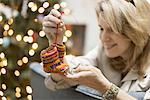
29, 89
3, 71
2, 55
31, 52
34, 46
45, 4
25, 60
1, 18
56, 6
42, 33
4, 62
67, 11
41, 10
18, 89
18, 37
10, 32
17, 94
30, 32
4, 98
30, 4
4, 86
10, 21
29, 97
5, 33
34, 8
19, 62
30, 39
68, 33
6, 27
17, 73
25, 38
1, 93
65, 39
1, 40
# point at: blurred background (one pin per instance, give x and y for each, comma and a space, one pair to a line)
22, 39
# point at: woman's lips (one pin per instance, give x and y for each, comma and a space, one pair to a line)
110, 46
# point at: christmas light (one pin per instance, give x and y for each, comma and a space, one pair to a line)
18, 37
19, 62
34, 8
4, 86
45, 4
10, 32
25, 38
68, 33
29, 89
3, 71
31, 52
30, 32
34, 46
25, 60
67, 11
10, 21
17, 94
17, 73
4, 98
35, 20
1, 18
4, 62
5, 33
56, 6
65, 39
30, 4
41, 10
1, 93
63, 4
2, 55
18, 89
29, 97
6, 27
30, 39
42, 33
1, 40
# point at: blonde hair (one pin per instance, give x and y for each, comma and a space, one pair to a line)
132, 21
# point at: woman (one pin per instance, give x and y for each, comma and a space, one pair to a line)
121, 63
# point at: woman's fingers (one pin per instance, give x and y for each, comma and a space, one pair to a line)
82, 68
52, 19
56, 13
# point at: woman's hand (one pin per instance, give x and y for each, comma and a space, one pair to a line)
90, 76
53, 24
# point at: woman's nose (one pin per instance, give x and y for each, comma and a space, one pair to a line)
105, 37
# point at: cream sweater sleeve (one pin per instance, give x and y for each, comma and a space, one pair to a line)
55, 82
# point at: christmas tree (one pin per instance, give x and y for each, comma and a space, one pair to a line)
21, 41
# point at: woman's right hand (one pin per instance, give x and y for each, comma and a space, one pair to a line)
53, 25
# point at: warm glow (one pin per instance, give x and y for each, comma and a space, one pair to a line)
17, 73
68, 33
1, 18
5, 33
42, 33
30, 39
1, 41
63, 4
30, 4
29, 89
6, 27
18, 95
25, 60
11, 32
30, 32
18, 89
4, 98
29, 97
4, 86
34, 46
1, 93
34, 8
56, 6
45, 4
25, 38
31, 52
3, 71
10, 21
65, 39
2, 55
41, 10
18, 37
67, 11
4, 62
19, 62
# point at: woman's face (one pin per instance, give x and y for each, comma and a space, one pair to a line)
114, 44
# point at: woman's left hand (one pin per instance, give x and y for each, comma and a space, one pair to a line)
90, 76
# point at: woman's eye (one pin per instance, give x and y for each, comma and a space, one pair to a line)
101, 29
